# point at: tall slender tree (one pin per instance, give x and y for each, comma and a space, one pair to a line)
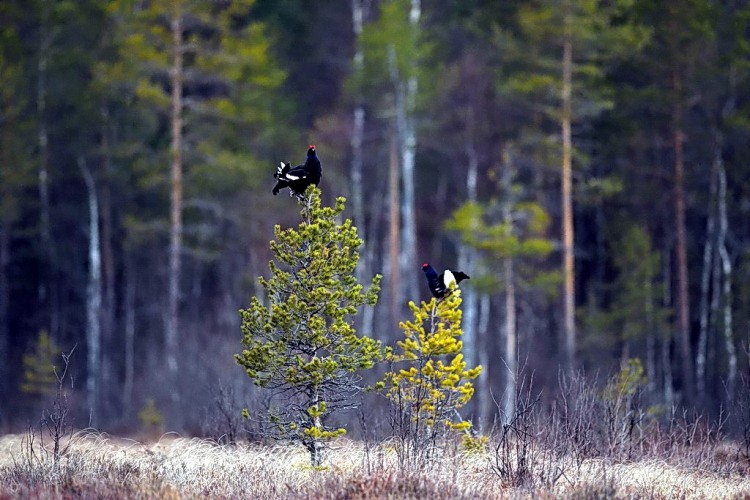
575, 36
510, 233
207, 70
93, 300
393, 49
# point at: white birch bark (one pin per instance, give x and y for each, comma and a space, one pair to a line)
358, 131
93, 299
708, 263
467, 254
511, 340
484, 397
511, 337
406, 94
357, 191
727, 284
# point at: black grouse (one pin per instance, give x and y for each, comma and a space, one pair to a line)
440, 284
298, 178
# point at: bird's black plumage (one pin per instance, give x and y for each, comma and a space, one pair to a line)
440, 283
297, 179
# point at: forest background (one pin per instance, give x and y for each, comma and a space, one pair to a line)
587, 163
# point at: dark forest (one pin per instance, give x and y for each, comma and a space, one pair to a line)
587, 163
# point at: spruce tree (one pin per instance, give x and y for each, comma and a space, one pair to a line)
302, 345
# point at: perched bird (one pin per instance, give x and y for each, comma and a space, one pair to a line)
441, 283
298, 178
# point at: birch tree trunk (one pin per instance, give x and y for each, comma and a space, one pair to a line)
358, 130
567, 191
467, 253
357, 191
726, 265
484, 397
708, 263
93, 300
175, 237
511, 336
511, 341
108, 272
406, 94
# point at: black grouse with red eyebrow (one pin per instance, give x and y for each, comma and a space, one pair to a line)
297, 179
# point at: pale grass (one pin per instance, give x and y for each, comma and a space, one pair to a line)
98, 465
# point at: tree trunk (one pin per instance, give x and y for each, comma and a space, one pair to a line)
93, 301
4, 303
485, 401
683, 304
467, 253
567, 192
394, 246
108, 273
315, 445
727, 284
48, 297
357, 190
511, 341
708, 263
405, 97
666, 344
358, 128
5, 229
175, 239
511, 337
129, 306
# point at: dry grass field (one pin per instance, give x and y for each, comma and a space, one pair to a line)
93, 465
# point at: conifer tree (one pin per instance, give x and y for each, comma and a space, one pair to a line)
39, 367
429, 381
302, 345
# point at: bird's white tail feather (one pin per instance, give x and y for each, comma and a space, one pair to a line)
448, 278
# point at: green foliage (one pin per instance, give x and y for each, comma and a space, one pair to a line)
150, 416
429, 381
635, 310
627, 382
302, 344
230, 81
39, 367
395, 49
521, 238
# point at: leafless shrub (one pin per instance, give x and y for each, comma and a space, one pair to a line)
573, 415
416, 444
224, 419
513, 460
55, 420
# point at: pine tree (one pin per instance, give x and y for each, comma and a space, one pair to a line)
430, 380
302, 346
39, 375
